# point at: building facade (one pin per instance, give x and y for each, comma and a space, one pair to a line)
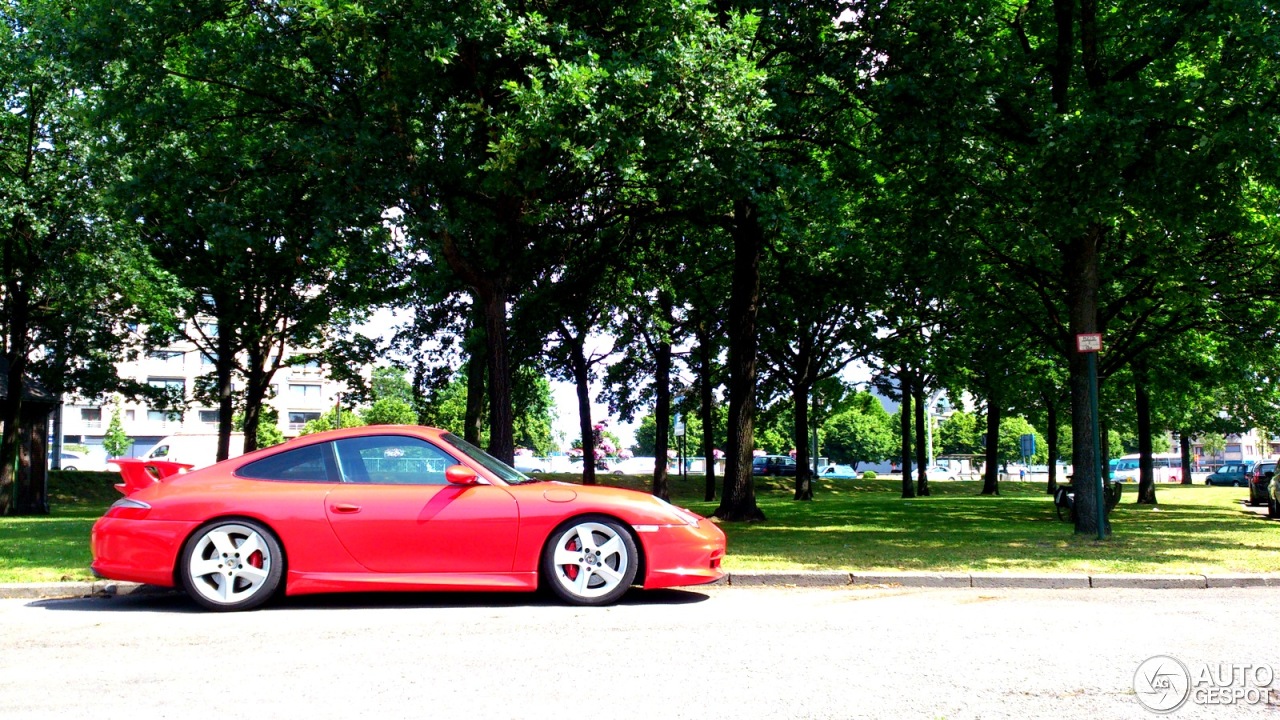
300, 393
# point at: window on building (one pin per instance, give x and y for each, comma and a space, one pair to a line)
91, 415
175, 385
302, 418
167, 358
209, 417
163, 416
304, 393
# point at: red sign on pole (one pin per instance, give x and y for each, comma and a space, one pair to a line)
1089, 342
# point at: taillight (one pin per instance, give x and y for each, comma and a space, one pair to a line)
128, 509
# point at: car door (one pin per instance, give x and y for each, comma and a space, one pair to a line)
396, 513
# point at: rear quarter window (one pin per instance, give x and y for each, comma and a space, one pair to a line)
305, 464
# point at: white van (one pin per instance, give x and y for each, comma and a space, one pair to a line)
195, 449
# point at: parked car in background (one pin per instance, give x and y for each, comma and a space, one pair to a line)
634, 466
840, 472
529, 464
782, 465
941, 472
72, 460
1233, 473
1260, 481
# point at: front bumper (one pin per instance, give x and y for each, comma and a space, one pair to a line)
677, 555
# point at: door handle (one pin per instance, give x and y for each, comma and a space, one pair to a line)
346, 508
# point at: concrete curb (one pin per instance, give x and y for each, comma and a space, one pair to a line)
790, 578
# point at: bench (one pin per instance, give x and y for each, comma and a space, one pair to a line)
1064, 500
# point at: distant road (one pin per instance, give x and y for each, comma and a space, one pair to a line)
719, 653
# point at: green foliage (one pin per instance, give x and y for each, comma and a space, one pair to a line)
389, 410
269, 432
390, 382
959, 433
863, 433
114, 440
334, 419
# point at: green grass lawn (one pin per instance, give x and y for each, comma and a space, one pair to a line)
851, 525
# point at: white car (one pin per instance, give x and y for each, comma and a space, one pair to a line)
941, 472
72, 460
634, 466
530, 465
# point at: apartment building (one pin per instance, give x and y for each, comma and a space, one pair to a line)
300, 393
1250, 445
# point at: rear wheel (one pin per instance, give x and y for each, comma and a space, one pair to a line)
231, 565
1273, 510
590, 561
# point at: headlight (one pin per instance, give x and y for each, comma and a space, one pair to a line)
680, 513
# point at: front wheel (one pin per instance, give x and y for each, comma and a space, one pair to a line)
590, 561
231, 565
1272, 509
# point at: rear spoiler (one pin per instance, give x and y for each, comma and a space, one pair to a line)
137, 474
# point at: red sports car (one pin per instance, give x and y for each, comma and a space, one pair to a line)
390, 508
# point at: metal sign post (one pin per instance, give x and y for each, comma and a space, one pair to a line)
1091, 345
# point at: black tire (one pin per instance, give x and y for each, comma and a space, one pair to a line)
230, 565
70, 469
590, 560
1272, 509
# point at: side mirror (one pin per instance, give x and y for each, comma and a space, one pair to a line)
460, 475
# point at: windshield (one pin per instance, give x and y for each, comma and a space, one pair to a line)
508, 474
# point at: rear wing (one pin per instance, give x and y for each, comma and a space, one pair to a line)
136, 474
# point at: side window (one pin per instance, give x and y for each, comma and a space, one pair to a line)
392, 459
162, 451
306, 464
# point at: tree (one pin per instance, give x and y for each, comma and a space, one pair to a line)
863, 433
388, 411
114, 440
71, 279
223, 121
1083, 132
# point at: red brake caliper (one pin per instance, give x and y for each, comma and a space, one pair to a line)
572, 570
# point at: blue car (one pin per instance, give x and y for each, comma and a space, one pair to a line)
1233, 473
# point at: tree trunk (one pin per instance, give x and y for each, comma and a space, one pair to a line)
223, 366
991, 478
922, 452
1082, 281
256, 386
477, 351
1051, 437
582, 383
804, 471
1146, 471
738, 502
904, 427
1184, 441
19, 313
706, 410
662, 418
501, 418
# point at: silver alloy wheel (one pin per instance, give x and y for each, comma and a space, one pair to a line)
231, 566
591, 562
